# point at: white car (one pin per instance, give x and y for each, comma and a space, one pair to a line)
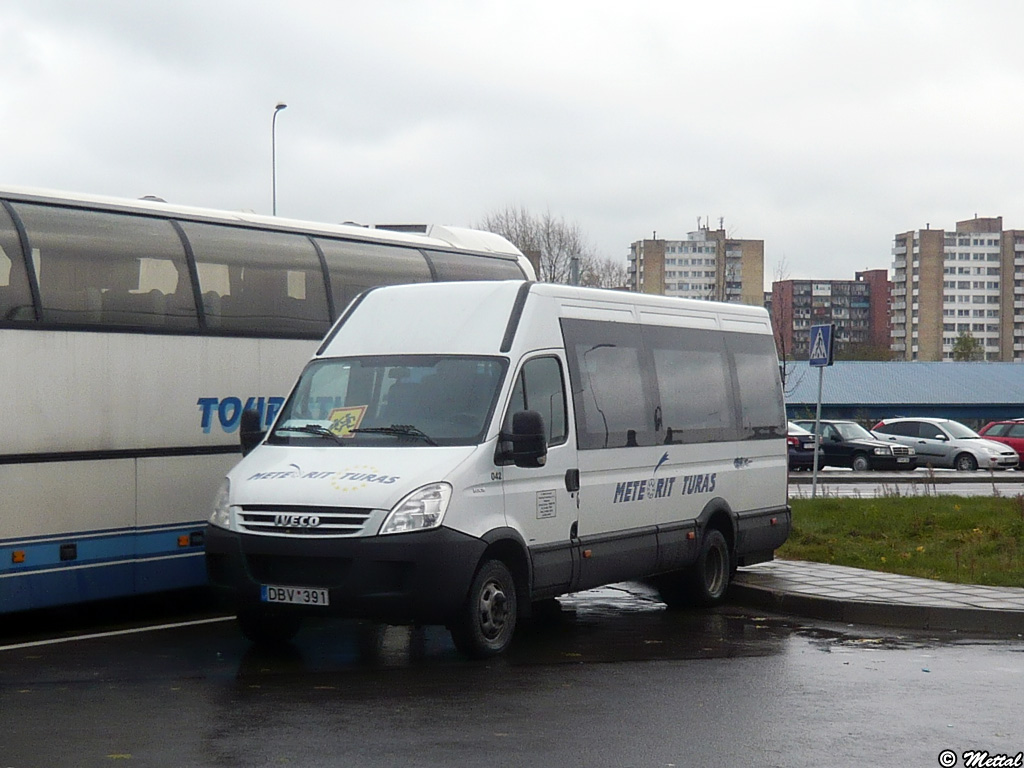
946, 443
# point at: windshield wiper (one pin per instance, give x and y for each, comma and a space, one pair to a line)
398, 430
314, 429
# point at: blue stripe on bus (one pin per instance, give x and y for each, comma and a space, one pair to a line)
104, 564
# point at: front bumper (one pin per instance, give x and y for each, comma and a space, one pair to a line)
405, 578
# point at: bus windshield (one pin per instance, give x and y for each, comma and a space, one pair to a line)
420, 400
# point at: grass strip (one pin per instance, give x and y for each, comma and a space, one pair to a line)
966, 540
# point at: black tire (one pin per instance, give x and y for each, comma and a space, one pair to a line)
965, 462
861, 463
268, 627
705, 582
487, 621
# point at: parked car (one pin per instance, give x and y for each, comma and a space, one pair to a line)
848, 444
946, 443
801, 448
1008, 432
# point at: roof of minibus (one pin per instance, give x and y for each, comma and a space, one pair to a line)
424, 236
473, 317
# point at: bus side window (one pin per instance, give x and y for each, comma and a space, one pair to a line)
15, 297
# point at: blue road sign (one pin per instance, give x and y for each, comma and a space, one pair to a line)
821, 345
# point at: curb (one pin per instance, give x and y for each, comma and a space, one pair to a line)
900, 615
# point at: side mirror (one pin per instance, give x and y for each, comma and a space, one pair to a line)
250, 433
529, 448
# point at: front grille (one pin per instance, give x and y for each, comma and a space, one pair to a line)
298, 520
900, 450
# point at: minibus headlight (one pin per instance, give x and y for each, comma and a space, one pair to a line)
221, 516
421, 510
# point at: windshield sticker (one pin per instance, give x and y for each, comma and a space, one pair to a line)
344, 420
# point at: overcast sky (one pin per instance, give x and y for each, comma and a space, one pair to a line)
822, 127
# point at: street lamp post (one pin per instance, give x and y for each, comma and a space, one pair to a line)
273, 152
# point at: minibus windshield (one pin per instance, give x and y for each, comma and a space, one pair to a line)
417, 400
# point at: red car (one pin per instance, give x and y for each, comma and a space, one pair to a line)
1009, 432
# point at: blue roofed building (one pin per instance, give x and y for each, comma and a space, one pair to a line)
974, 393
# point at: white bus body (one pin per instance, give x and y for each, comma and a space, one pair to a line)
453, 453
133, 335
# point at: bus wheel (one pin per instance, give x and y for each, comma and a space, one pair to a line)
270, 628
487, 621
703, 583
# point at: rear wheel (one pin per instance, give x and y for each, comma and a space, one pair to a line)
268, 627
487, 621
965, 462
704, 583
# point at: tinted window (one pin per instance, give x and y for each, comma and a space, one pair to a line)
539, 388
259, 282
462, 266
694, 388
998, 430
762, 411
1016, 430
15, 296
902, 428
107, 268
353, 267
606, 371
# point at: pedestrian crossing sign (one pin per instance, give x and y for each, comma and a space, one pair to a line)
821, 345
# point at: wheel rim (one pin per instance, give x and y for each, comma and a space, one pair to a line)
715, 571
493, 610
965, 463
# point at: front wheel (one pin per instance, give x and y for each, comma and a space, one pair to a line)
966, 463
487, 621
861, 463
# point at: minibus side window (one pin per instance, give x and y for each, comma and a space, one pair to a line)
694, 388
762, 411
611, 393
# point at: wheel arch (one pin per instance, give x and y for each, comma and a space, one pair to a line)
718, 514
507, 545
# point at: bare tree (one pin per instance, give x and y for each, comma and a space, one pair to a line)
556, 241
782, 318
603, 273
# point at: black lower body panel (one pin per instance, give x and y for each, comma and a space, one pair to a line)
406, 578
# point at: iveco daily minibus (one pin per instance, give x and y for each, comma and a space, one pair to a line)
455, 452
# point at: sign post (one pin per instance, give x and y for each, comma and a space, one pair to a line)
820, 358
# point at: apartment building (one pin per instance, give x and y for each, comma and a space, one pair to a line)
946, 283
859, 308
706, 265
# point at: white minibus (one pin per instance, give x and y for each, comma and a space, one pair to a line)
455, 452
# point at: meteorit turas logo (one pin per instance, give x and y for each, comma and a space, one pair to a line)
655, 487
348, 479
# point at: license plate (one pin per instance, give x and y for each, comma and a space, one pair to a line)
902, 459
809, 446
293, 595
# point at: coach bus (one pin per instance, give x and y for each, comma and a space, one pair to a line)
133, 334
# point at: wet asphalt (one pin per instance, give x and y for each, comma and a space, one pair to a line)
610, 679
